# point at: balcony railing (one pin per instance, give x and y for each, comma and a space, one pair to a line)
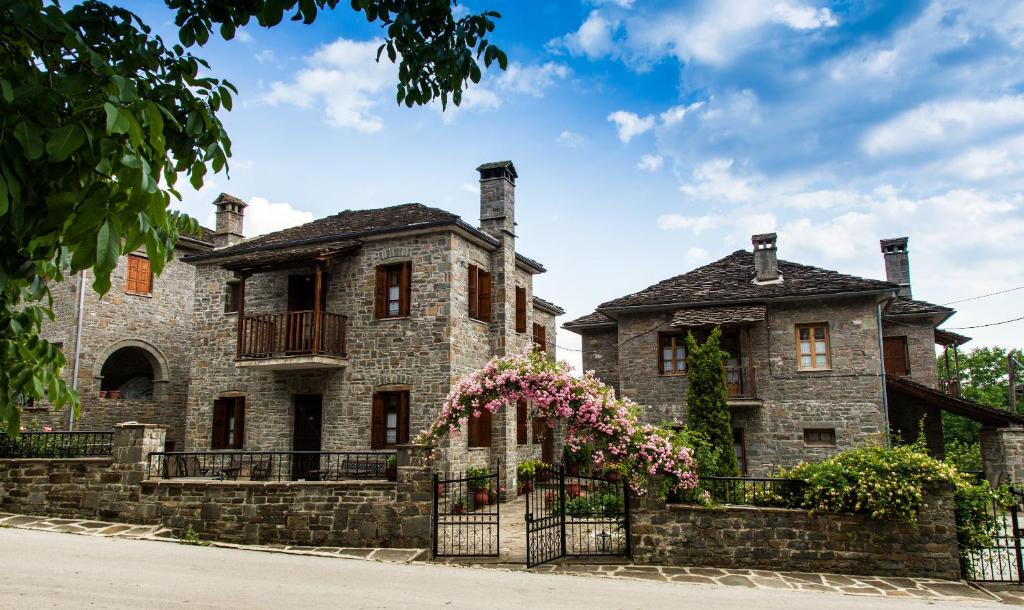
754, 491
294, 333
57, 445
740, 382
272, 465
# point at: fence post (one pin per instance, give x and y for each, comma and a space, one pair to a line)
1014, 513
433, 517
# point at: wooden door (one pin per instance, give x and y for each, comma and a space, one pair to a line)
897, 361
306, 436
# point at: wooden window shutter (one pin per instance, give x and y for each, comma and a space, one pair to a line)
403, 419
895, 354
220, 424
145, 276
520, 309
380, 302
538, 430
474, 292
377, 422
521, 422
405, 289
485, 429
485, 296
239, 440
130, 280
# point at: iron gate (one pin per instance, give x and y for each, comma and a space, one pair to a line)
1003, 560
466, 516
575, 516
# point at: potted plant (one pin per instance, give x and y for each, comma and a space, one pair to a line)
477, 483
503, 494
114, 394
492, 496
391, 468
459, 505
614, 472
578, 459
440, 490
549, 499
103, 394
526, 470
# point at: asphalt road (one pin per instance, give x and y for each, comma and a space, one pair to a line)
50, 570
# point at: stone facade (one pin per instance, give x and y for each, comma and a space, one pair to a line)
920, 336
1002, 454
795, 540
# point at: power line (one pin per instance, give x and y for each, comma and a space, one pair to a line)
986, 325
982, 296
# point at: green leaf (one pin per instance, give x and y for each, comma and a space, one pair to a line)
6, 91
28, 136
117, 120
64, 141
108, 248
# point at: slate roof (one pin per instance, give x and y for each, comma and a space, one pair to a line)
713, 316
282, 256
970, 409
729, 279
591, 319
548, 306
910, 307
946, 338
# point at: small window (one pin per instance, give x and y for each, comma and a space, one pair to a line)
521, 421
232, 297
671, 354
820, 437
740, 447
479, 294
520, 309
540, 430
228, 423
812, 347
540, 336
394, 290
390, 425
139, 279
480, 430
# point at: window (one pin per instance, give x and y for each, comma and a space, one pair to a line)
671, 354
540, 336
812, 348
540, 430
520, 309
740, 447
480, 430
394, 290
390, 420
897, 360
479, 294
232, 296
820, 437
228, 423
521, 418
140, 277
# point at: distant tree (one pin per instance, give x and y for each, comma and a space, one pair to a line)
100, 117
707, 400
984, 379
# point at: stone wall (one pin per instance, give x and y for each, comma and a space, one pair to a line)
1002, 454
920, 334
601, 354
794, 540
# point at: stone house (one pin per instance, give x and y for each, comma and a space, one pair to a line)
348, 332
809, 371
128, 351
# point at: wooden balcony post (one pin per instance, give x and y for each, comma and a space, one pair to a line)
241, 317
317, 311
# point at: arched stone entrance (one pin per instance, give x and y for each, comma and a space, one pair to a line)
135, 369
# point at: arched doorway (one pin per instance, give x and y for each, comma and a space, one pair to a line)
128, 373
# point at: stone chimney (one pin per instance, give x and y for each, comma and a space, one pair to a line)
897, 263
498, 198
766, 260
230, 216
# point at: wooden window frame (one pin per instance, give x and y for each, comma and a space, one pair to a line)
522, 419
382, 403
814, 354
681, 338
539, 426
393, 275
479, 433
232, 296
808, 442
133, 283
540, 336
222, 436
742, 441
480, 291
520, 309
906, 353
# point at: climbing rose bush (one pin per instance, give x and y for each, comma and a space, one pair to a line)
589, 408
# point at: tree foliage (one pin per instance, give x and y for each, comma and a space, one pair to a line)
707, 400
984, 379
99, 119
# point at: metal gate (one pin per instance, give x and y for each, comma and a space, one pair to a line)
466, 516
575, 516
1003, 560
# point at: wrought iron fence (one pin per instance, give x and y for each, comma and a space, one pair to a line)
1002, 558
57, 445
753, 491
273, 465
467, 516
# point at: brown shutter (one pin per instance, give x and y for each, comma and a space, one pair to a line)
220, 424
543, 338
895, 353
377, 422
405, 289
484, 429
485, 296
474, 293
380, 302
520, 309
239, 441
402, 437
538, 430
521, 422
145, 276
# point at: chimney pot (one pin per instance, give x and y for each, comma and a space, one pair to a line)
498, 198
897, 264
766, 261
230, 218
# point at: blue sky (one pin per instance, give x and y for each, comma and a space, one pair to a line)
652, 137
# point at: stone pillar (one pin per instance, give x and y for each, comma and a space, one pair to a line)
1002, 454
414, 494
133, 442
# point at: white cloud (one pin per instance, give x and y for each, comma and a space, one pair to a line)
630, 125
570, 139
1004, 158
344, 78
532, 80
265, 56
802, 17
696, 256
619, 3
243, 36
715, 181
594, 38
676, 114
650, 163
697, 224
945, 123
262, 217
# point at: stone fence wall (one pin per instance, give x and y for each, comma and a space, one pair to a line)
335, 513
796, 540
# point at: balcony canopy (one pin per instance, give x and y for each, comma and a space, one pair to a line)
718, 316
291, 256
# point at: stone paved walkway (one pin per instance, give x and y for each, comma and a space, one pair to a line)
943, 590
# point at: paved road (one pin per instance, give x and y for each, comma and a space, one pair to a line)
45, 570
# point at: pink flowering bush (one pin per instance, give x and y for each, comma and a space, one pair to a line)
589, 408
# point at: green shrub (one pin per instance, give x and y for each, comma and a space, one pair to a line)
965, 457
478, 478
707, 401
528, 468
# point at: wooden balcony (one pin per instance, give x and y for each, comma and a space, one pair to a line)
741, 386
292, 340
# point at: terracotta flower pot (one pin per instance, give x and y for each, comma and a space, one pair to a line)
114, 394
440, 490
458, 509
391, 473
572, 489
480, 498
612, 475
103, 394
573, 469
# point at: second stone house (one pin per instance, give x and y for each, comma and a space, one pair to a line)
348, 332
